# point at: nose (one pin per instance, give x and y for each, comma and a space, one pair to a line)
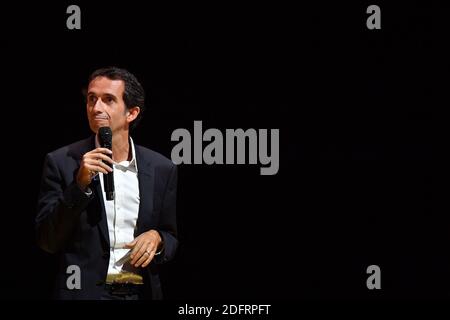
98, 106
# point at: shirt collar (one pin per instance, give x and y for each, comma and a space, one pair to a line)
124, 165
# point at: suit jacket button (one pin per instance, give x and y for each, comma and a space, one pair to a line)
106, 255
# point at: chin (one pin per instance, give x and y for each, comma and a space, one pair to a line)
98, 124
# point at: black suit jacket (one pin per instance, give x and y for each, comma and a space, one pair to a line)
74, 226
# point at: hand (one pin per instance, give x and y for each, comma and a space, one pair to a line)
91, 164
144, 248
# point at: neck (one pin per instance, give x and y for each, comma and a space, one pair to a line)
120, 146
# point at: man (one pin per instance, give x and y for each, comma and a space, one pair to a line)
117, 244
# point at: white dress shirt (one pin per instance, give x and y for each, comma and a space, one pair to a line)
122, 212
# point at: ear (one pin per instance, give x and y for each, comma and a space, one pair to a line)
132, 113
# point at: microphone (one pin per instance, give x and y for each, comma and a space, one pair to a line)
105, 138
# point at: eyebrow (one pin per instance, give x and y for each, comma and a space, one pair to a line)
110, 96
90, 93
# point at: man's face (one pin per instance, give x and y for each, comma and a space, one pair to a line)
105, 106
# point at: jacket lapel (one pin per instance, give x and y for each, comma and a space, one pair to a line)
145, 186
103, 223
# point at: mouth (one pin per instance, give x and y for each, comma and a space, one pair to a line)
100, 118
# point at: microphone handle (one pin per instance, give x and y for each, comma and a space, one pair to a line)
108, 184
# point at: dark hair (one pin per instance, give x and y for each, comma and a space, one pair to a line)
133, 95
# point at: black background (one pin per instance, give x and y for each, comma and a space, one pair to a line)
355, 112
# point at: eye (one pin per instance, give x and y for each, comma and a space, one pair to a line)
92, 99
109, 100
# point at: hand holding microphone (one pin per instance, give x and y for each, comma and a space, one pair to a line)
91, 164
98, 160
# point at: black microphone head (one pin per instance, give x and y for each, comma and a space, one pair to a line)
105, 137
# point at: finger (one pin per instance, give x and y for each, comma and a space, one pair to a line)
99, 156
135, 250
139, 250
149, 259
104, 166
142, 259
100, 150
102, 169
99, 163
96, 168
147, 249
103, 157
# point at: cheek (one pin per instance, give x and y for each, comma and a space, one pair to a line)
118, 116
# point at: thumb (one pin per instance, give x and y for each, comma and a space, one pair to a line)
130, 244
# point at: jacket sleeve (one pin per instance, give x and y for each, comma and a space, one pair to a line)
168, 222
59, 208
